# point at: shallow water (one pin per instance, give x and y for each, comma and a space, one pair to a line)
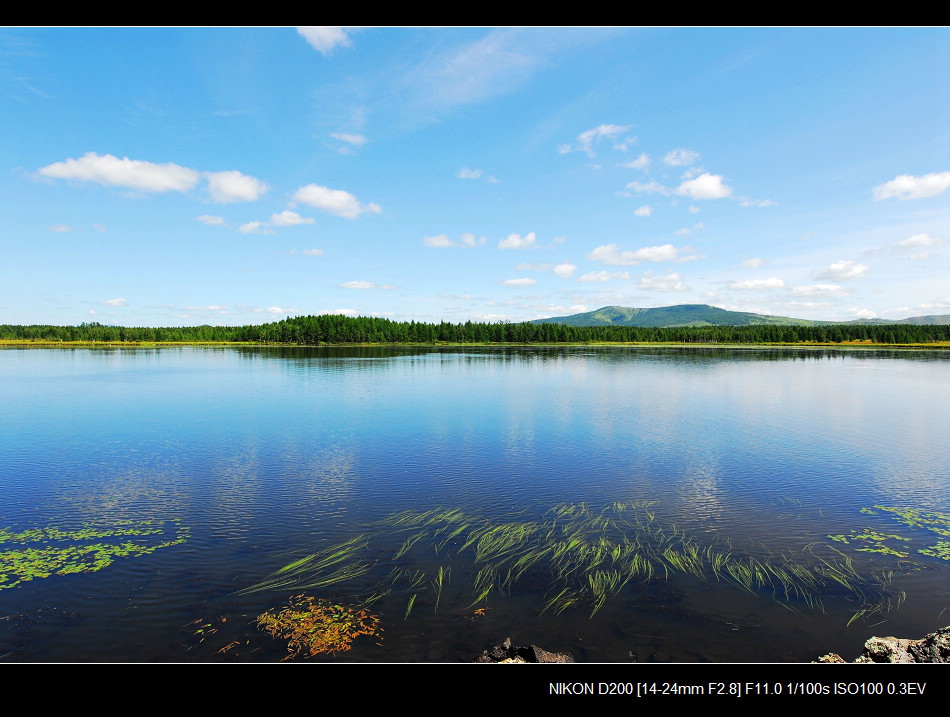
248, 459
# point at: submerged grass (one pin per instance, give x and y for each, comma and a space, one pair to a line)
585, 557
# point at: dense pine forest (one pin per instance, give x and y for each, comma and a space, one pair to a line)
335, 329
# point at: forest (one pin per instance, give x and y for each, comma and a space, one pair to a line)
335, 329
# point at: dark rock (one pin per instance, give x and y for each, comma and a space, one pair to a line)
507, 653
935, 647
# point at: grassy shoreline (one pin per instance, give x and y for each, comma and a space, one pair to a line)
40, 343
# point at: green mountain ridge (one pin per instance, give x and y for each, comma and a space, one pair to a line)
706, 315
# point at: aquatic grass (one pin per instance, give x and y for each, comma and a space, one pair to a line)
588, 556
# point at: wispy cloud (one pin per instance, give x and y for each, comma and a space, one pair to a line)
611, 255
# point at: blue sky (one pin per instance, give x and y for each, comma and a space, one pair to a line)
169, 177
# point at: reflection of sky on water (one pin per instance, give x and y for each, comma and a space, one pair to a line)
265, 451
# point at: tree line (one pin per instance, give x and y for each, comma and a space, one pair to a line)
336, 329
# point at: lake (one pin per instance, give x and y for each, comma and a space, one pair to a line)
621, 504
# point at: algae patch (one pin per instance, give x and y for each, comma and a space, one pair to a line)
311, 626
933, 521
44, 552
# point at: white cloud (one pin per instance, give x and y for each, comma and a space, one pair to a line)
820, 290
758, 284
358, 285
333, 201
907, 186
439, 240
600, 276
139, 176
232, 186
469, 239
524, 281
644, 211
515, 241
641, 162
843, 271
466, 173
279, 310
211, 220
565, 270
668, 282
324, 38
357, 140
586, 139
753, 263
680, 157
611, 255
705, 186
114, 302
288, 218
922, 240
131, 174
313, 252
651, 187
62, 228
254, 228
862, 313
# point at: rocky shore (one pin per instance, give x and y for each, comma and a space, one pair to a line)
931, 648
934, 647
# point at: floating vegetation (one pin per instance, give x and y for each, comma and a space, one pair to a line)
933, 521
584, 557
44, 552
313, 627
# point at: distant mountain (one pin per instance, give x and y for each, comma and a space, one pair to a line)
704, 315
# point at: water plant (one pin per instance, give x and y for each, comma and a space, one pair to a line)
585, 555
44, 552
312, 626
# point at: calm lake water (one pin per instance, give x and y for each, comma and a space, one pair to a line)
620, 504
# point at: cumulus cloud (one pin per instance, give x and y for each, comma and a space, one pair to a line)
288, 218
565, 270
843, 271
232, 186
524, 281
333, 201
466, 173
644, 211
325, 38
516, 241
131, 174
680, 157
705, 186
907, 186
753, 263
114, 302
358, 285
610, 254
443, 240
313, 252
139, 176
211, 220
758, 284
